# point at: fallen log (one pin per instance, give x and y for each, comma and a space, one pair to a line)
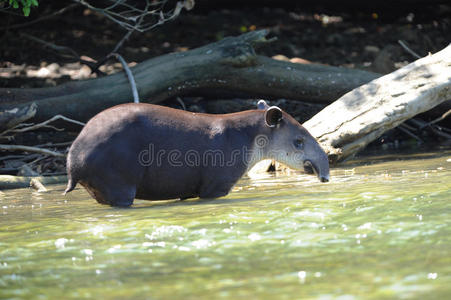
365, 113
229, 66
11, 117
16, 182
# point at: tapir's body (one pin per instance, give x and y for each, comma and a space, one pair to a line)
153, 152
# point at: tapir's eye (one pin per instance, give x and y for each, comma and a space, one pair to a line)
299, 143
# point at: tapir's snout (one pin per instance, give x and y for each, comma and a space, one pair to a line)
319, 167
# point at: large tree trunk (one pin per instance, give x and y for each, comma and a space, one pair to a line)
362, 115
230, 65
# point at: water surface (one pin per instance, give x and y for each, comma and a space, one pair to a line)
375, 231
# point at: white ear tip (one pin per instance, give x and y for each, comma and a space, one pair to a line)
261, 104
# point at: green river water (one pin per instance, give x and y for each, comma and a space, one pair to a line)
376, 231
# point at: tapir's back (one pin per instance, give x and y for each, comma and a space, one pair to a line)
138, 120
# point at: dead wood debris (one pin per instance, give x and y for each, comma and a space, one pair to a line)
34, 160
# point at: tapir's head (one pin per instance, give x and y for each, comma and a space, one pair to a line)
291, 144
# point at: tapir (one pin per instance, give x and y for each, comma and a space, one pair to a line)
152, 152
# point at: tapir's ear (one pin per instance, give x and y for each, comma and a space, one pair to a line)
273, 116
262, 104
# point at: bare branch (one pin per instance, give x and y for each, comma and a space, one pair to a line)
130, 77
58, 12
405, 128
63, 51
60, 49
413, 53
63, 144
23, 157
21, 128
133, 17
441, 118
118, 45
30, 149
182, 104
